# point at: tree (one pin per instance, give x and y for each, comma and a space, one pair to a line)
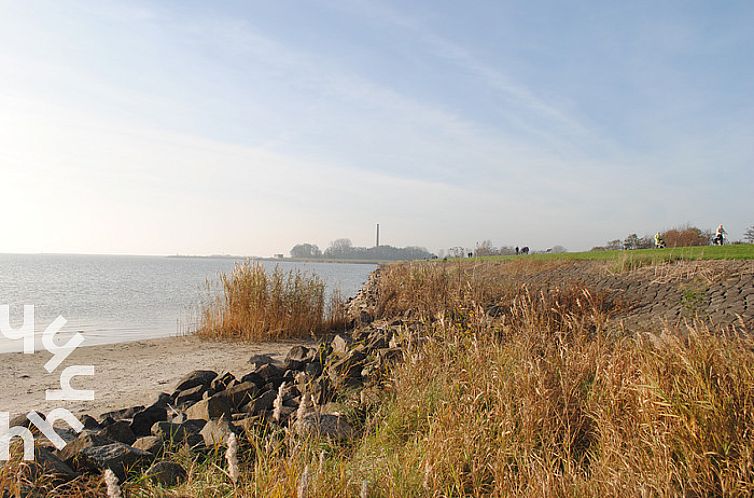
341, 245
749, 235
631, 242
614, 245
305, 251
340, 248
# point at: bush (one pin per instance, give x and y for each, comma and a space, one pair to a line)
686, 236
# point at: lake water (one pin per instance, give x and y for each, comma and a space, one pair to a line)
125, 298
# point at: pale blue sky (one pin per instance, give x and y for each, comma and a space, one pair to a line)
245, 127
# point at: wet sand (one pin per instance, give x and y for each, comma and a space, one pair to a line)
126, 374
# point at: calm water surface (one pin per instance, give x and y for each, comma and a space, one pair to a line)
126, 298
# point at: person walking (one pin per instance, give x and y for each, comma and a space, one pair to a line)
720, 234
659, 242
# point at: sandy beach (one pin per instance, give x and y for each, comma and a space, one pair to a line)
126, 374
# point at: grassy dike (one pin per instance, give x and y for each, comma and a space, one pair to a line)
648, 256
508, 389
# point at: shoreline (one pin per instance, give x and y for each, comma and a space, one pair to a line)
126, 374
289, 260
90, 341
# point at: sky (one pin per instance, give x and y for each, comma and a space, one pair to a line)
246, 127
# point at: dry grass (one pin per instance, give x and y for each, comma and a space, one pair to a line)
257, 306
426, 290
549, 404
21, 479
536, 395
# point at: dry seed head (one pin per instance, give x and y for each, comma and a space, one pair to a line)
231, 455
113, 486
278, 404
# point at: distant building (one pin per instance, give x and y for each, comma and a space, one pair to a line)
279, 256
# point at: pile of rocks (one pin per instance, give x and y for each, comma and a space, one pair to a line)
361, 307
307, 392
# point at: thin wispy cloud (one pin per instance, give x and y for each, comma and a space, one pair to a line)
318, 121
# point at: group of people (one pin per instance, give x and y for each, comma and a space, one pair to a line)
718, 239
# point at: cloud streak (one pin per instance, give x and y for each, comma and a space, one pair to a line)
176, 123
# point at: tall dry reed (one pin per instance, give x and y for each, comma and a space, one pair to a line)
256, 305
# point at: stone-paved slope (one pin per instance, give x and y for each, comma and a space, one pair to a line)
721, 292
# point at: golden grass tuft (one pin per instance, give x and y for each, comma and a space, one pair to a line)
259, 306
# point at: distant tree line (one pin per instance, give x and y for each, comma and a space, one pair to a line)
344, 249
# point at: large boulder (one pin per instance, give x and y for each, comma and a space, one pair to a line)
301, 353
196, 378
65, 433
191, 395
120, 432
170, 431
117, 457
123, 414
223, 381
90, 422
209, 409
48, 464
349, 367
218, 432
87, 439
299, 356
258, 360
269, 371
239, 395
144, 420
262, 403
340, 343
150, 444
255, 378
